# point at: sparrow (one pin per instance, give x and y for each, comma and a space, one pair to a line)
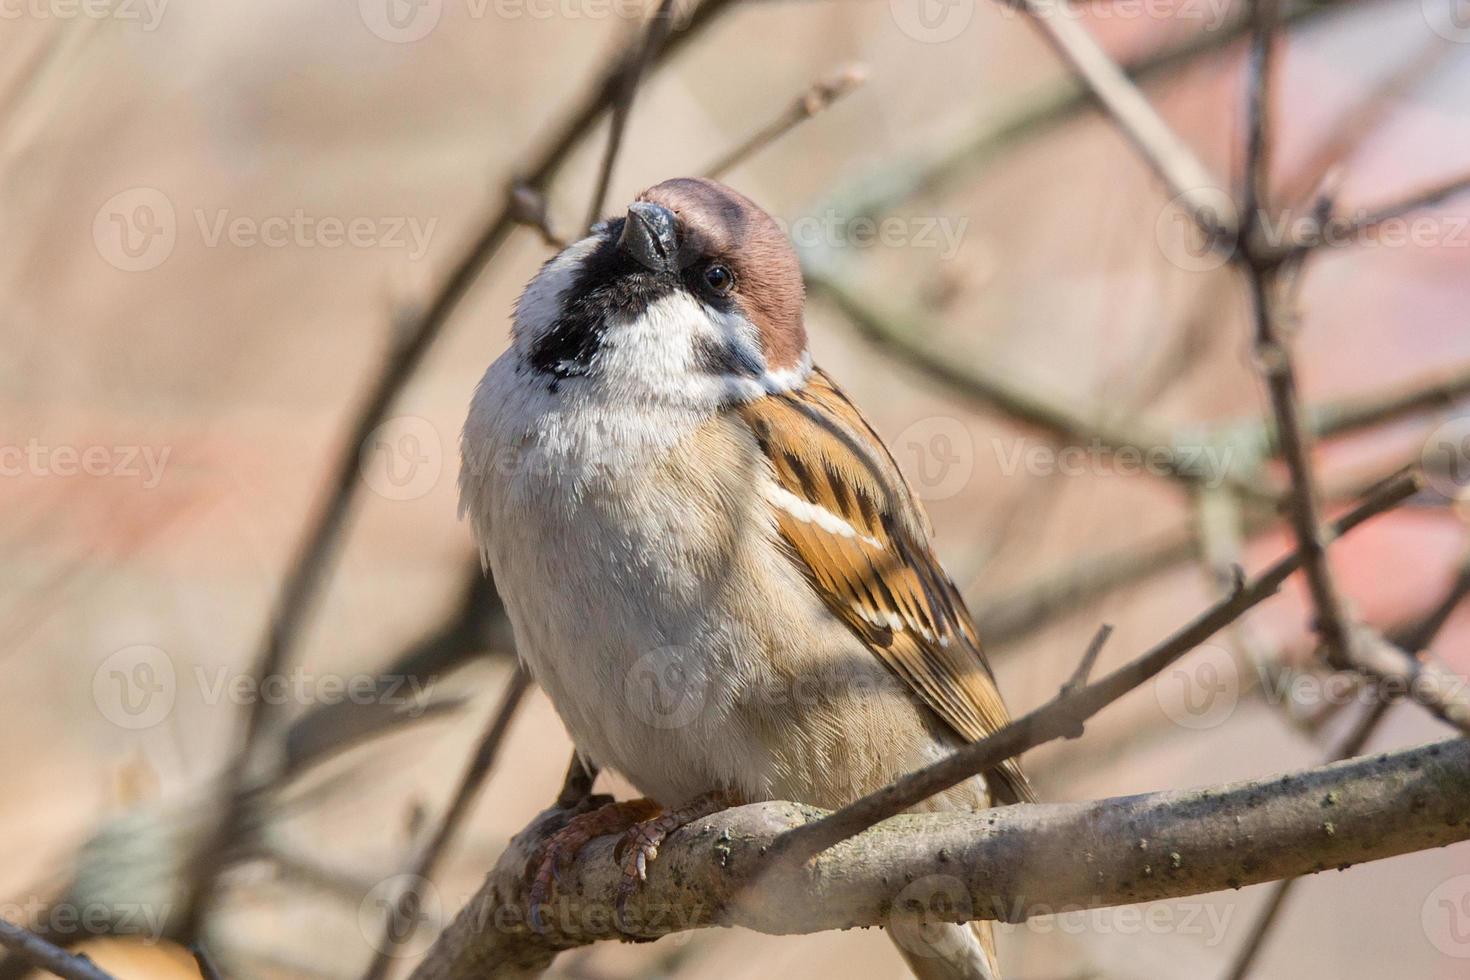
711, 562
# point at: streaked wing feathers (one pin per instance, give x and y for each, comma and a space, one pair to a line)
851, 520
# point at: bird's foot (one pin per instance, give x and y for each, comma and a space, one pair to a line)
545, 866
640, 843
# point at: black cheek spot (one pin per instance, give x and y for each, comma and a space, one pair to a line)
718, 358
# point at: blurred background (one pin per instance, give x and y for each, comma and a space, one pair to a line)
220, 215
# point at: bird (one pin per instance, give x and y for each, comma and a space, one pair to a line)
711, 562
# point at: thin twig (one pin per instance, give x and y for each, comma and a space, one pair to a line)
529, 206
1439, 392
933, 169
1351, 230
1414, 637
1266, 919
1187, 179
207, 968
821, 96
470, 783
652, 39
1063, 714
1079, 677
1348, 132
1421, 634
46, 956
895, 333
1272, 354
1420, 680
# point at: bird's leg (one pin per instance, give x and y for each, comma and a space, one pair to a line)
544, 867
577, 787
640, 842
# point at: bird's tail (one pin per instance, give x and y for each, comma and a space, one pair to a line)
946, 951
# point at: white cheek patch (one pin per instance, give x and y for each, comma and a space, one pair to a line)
657, 356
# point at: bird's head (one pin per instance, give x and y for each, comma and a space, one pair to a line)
693, 298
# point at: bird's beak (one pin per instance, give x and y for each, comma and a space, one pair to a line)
650, 237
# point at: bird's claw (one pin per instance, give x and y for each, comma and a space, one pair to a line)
638, 846
545, 867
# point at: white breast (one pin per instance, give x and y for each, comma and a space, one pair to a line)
636, 555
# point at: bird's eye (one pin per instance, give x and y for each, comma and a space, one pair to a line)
719, 278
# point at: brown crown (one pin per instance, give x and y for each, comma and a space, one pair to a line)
715, 222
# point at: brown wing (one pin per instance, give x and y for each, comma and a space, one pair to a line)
853, 523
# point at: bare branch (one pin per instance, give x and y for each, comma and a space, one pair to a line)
1339, 231
1272, 354
1007, 617
529, 208
207, 969
45, 956
1422, 634
895, 334
650, 41
1079, 677
1441, 391
1062, 715
1400, 674
821, 96
475, 774
1009, 863
1187, 179
1347, 132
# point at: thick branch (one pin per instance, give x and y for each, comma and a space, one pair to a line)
1011, 863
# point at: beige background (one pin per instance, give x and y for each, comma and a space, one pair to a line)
243, 362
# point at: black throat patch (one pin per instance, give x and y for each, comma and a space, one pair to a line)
610, 286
